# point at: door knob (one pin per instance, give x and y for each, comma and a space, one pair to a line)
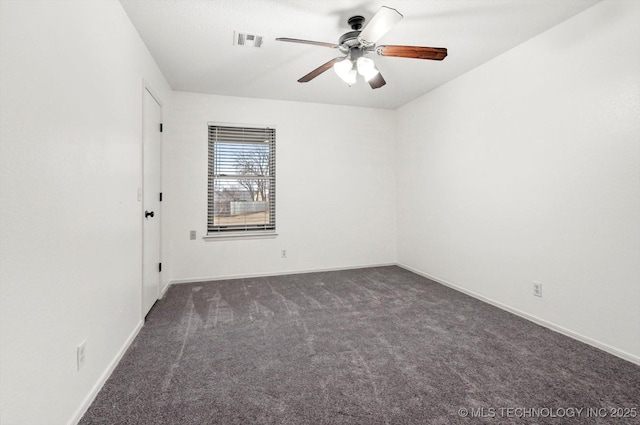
148, 214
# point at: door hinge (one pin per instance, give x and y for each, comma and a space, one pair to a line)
160, 196
159, 267
160, 127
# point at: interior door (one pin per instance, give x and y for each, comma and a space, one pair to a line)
151, 145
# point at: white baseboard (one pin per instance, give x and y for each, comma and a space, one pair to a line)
105, 375
549, 325
164, 290
278, 273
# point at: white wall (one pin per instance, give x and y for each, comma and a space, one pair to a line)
339, 157
528, 169
71, 121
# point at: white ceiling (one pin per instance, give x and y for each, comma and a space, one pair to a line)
192, 42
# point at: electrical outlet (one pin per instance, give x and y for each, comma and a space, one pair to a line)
192, 235
283, 254
80, 354
537, 289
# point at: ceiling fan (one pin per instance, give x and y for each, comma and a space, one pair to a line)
356, 44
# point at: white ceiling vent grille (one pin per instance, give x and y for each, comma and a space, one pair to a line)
246, 40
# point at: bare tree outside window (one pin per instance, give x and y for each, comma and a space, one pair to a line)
254, 162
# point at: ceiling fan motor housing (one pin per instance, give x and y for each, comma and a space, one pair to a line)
348, 40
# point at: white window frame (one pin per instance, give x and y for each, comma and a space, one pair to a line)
225, 133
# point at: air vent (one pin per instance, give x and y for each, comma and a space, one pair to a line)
246, 40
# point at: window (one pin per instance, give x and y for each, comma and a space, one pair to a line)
242, 180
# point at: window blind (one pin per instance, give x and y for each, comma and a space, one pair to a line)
242, 179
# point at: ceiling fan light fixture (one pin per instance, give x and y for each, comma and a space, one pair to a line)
351, 77
345, 71
366, 68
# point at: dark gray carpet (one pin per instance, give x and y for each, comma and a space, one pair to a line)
369, 346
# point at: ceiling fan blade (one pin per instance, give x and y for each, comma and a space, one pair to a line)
415, 52
379, 25
319, 70
377, 81
315, 43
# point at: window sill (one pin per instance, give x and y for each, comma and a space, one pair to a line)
240, 235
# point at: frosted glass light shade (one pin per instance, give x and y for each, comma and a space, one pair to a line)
366, 68
342, 68
345, 71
